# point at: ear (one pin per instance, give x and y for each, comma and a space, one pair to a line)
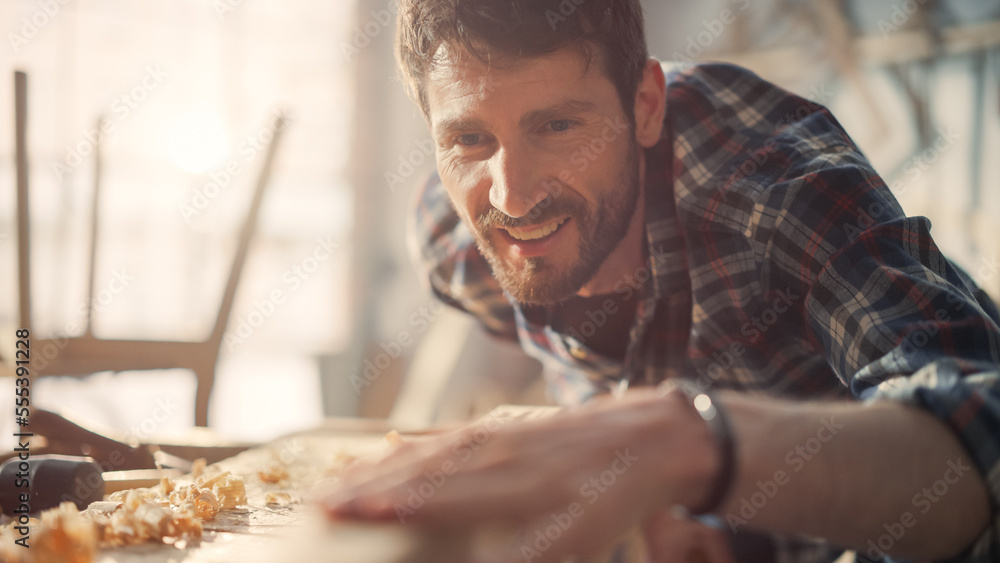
650, 104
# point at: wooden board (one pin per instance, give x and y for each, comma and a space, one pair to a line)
248, 533
300, 533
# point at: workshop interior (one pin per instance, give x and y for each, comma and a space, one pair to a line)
203, 204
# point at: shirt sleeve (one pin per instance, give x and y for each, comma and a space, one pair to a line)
895, 318
445, 255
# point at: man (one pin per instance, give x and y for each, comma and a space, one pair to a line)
630, 229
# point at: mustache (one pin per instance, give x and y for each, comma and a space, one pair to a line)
544, 211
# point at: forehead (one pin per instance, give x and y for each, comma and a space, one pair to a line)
460, 84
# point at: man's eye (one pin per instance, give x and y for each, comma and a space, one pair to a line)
468, 139
560, 125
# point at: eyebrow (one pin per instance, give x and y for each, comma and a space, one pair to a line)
459, 124
557, 110
554, 111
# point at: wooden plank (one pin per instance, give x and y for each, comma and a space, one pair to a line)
242, 534
259, 533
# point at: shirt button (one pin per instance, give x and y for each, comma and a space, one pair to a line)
578, 353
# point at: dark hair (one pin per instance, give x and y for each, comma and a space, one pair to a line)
499, 32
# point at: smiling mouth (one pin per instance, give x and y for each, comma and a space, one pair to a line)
536, 233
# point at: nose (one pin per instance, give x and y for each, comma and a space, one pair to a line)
514, 188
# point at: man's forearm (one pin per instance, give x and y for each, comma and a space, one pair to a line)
853, 473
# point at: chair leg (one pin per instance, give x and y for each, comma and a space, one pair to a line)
205, 375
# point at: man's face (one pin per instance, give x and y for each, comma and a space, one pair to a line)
541, 164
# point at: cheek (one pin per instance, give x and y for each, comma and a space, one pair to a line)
461, 203
607, 173
467, 195
456, 196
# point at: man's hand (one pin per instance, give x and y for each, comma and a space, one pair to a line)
574, 483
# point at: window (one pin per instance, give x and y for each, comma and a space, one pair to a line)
188, 89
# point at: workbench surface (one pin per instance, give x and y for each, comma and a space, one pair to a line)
299, 532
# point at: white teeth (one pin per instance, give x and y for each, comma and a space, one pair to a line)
540, 232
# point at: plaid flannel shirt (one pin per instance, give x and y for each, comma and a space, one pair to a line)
778, 263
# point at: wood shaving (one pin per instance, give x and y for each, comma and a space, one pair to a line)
171, 512
274, 473
208, 482
206, 505
230, 490
166, 483
394, 438
137, 521
166, 513
280, 499
61, 534
341, 462
136, 496
198, 467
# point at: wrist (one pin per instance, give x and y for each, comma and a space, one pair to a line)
705, 466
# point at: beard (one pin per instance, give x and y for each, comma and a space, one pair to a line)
543, 280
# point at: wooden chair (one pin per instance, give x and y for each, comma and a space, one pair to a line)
86, 354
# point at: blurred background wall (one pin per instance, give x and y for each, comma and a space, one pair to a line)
190, 86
